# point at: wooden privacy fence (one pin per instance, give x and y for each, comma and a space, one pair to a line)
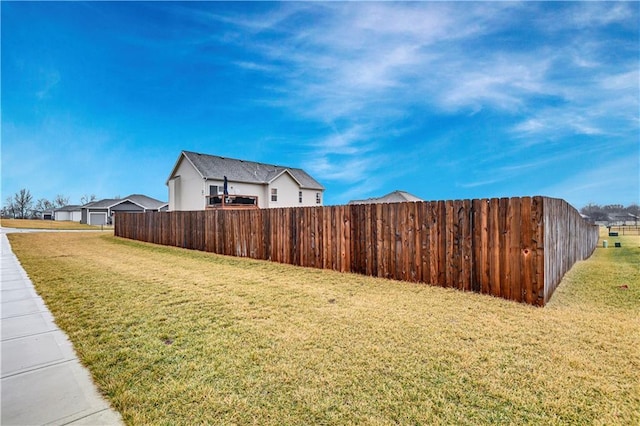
515, 248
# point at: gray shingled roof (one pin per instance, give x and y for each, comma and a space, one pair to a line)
146, 202
69, 208
102, 204
142, 200
392, 197
214, 167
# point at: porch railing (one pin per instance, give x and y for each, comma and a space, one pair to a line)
232, 201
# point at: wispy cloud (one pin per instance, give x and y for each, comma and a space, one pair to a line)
595, 183
598, 14
350, 169
611, 99
49, 79
479, 183
556, 124
356, 56
254, 66
621, 82
358, 62
502, 82
348, 155
355, 140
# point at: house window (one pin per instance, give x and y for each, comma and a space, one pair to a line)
318, 199
213, 193
300, 196
274, 194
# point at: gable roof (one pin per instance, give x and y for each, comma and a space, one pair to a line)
69, 208
105, 203
143, 201
146, 202
214, 167
622, 216
392, 197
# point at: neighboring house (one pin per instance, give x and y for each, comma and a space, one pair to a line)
197, 182
392, 197
71, 213
622, 219
102, 212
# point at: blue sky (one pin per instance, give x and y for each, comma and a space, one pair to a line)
446, 100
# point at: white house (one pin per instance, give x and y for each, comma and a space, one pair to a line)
71, 213
197, 182
102, 212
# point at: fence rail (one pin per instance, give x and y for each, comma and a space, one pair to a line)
515, 248
625, 229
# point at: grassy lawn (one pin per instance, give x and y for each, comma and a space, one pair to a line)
47, 224
173, 336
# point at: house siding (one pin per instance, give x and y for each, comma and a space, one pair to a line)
173, 194
62, 216
287, 191
189, 189
266, 197
73, 216
127, 206
309, 197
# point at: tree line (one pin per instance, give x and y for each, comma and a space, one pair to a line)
22, 204
598, 213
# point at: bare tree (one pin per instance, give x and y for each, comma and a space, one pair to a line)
87, 198
23, 203
595, 212
60, 201
633, 209
42, 205
613, 208
9, 210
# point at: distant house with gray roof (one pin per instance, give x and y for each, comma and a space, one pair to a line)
197, 182
71, 213
392, 197
103, 212
622, 219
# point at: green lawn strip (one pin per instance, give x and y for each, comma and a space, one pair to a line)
174, 336
610, 278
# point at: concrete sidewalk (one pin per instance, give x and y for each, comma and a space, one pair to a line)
42, 381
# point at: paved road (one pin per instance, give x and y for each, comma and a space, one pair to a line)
42, 380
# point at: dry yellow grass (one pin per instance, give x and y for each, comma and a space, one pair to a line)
46, 224
180, 337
